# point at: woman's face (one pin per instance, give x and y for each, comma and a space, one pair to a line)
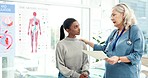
74, 29
117, 18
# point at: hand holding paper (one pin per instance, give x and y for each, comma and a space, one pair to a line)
96, 54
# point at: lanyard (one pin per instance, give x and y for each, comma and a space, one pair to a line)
117, 37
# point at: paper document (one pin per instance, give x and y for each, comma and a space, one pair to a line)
96, 54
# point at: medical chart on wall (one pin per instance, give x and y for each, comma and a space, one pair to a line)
33, 31
7, 29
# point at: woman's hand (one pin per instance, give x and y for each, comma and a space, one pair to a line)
112, 60
91, 44
83, 76
84, 40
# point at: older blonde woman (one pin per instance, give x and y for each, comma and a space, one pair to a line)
124, 46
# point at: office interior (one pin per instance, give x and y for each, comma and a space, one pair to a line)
18, 59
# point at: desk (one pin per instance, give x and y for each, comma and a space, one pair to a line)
145, 63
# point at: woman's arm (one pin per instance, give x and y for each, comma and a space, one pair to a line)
85, 67
135, 55
117, 59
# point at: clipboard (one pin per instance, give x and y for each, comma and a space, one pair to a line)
96, 54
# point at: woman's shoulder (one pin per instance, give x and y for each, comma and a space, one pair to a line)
113, 32
82, 42
135, 28
61, 42
135, 31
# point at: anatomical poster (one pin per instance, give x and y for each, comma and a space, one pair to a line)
32, 31
7, 29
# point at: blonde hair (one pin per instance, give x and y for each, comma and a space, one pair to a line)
129, 16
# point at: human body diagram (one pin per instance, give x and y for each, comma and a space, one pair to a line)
33, 30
